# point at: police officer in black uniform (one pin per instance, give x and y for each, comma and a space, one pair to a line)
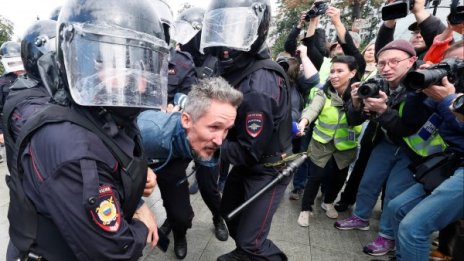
236, 33
181, 75
10, 57
76, 192
28, 95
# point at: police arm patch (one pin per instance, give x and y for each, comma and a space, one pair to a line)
106, 213
254, 123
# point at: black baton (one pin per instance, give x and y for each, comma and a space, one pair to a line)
292, 166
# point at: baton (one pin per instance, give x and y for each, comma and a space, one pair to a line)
292, 166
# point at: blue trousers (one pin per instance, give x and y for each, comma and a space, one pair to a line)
417, 215
387, 163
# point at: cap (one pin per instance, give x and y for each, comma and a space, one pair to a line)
414, 27
401, 45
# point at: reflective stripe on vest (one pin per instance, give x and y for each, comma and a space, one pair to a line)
332, 125
426, 141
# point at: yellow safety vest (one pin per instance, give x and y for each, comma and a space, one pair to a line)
332, 125
433, 144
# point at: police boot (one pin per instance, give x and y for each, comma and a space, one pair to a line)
166, 227
236, 255
180, 245
220, 229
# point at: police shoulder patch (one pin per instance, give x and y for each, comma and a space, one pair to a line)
254, 123
106, 213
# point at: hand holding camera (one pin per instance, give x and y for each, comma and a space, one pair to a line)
334, 14
354, 95
377, 105
317, 9
439, 92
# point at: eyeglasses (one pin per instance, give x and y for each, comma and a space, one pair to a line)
391, 63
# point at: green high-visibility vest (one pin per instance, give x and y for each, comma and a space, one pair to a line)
332, 125
434, 144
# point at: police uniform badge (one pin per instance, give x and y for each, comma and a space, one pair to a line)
254, 123
106, 212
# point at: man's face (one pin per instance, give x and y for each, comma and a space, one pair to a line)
417, 41
394, 64
206, 134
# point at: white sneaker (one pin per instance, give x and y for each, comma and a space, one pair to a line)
330, 210
303, 219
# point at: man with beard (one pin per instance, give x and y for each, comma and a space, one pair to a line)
172, 140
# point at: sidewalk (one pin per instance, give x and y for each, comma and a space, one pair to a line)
319, 242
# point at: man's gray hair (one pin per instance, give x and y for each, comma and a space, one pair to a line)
209, 89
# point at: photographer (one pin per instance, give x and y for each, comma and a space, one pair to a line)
399, 116
428, 25
345, 40
445, 204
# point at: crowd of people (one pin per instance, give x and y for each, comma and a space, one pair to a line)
101, 104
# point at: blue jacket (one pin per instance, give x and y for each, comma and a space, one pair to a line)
450, 129
164, 139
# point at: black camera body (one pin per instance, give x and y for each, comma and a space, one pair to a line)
423, 78
372, 87
319, 9
399, 9
458, 105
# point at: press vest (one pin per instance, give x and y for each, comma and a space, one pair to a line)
427, 140
332, 125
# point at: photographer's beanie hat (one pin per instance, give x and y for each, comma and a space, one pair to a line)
399, 44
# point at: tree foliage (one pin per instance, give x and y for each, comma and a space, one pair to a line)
6, 32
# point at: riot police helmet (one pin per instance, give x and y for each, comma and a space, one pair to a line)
113, 55
166, 17
10, 54
188, 24
238, 25
39, 38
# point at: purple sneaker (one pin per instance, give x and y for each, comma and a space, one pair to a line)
379, 247
352, 222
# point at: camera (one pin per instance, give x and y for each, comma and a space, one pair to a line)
458, 105
318, 9
372, 87
423, 78
398, 9
456, 15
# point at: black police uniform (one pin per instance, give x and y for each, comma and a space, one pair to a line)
22, 102
74, 182
6, 81
261, 134
181, 75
